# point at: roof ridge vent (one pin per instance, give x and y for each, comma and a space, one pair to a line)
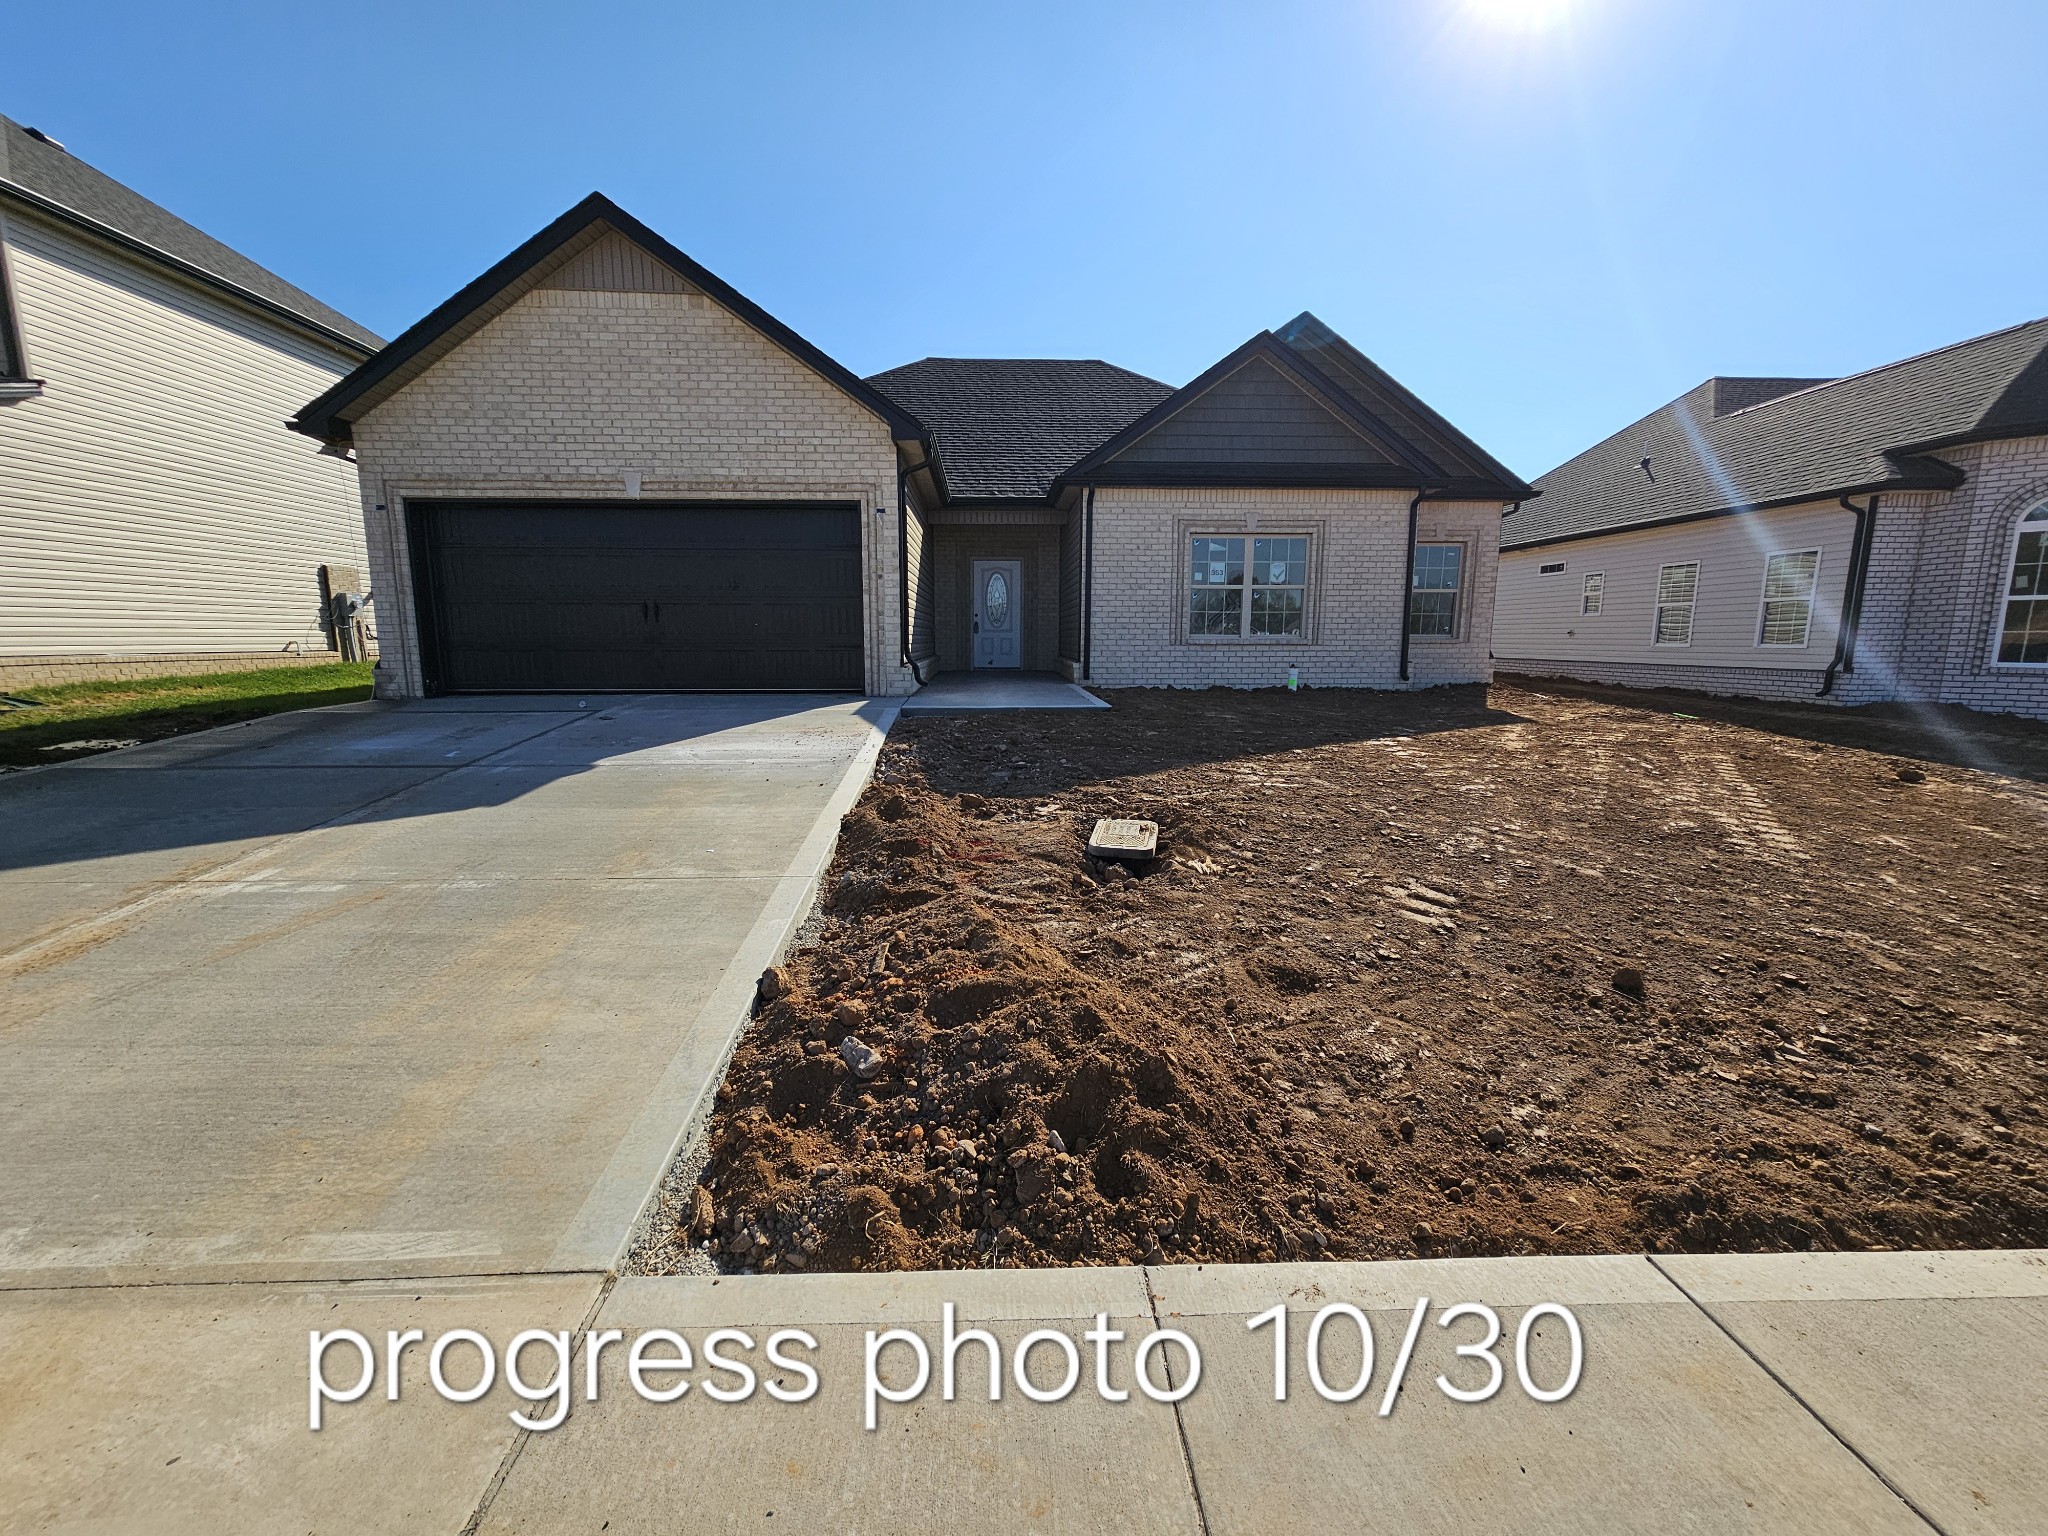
41, 137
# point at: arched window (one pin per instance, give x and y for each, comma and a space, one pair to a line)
2023, 636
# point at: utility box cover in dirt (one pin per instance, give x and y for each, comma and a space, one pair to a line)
1124, 840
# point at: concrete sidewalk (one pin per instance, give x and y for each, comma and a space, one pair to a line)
1778, 1393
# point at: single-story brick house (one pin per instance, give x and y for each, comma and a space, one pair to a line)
1881, 537
600, 467
154, 515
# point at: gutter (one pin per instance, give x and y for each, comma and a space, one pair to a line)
1852, 593
1088, 586
1946, 482
903, 474
184, 268
1408, 581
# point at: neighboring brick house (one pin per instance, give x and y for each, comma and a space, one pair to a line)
157, 517
1881, 537
600, 467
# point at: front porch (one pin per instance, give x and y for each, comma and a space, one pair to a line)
1002, 586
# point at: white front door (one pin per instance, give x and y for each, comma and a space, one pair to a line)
998, 614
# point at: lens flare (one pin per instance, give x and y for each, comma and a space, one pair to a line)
1521, 15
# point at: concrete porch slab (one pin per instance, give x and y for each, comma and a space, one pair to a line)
969, 693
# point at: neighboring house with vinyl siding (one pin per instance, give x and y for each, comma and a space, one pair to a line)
155, 514
598, 466
1876, 538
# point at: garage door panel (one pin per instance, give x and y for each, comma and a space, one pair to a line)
595, 596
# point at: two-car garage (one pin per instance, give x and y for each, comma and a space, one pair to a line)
595, 596
599, 468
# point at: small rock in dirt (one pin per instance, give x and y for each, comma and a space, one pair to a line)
1406, 1130
1912, 776
774, 983
1628, 981
1493, 1138
1054, 1140
850, 1015
865, 1060
703, 1217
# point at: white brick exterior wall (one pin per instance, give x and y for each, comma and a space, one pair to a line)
1932, 604
568, 391
1946, 589
1356, 604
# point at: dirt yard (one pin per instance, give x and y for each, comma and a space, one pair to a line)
1462, 972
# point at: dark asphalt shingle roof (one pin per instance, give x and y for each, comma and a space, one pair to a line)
1870, 431
1005, 426
56, 176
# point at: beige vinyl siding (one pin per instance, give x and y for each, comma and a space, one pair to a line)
1537, 617
153, 499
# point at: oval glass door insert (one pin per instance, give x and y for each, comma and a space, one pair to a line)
995, 601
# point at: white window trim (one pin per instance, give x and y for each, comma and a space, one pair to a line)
2002, 596
1658, 605
1458, 603
1592, 613
1763, 596
1244, 636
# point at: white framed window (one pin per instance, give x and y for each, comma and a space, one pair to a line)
2023, 623
1433, 593
1244, 587
1592, 592
1785, 617
1552, 568
1678, 587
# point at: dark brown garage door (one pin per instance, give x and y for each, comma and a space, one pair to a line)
595, 596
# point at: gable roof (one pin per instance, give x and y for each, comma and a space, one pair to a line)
1400, 441
1713, 455
1004, 427
473, 306
38, 174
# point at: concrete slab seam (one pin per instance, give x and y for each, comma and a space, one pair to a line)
1187, 1454
1792, 1392
521, 1436
728, 1009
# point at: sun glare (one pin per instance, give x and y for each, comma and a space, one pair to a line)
1521, 15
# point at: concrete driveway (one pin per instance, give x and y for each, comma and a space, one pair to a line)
387, 991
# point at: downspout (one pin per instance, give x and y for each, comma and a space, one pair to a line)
1408, 580
903, 559
1088, 586
1852, 593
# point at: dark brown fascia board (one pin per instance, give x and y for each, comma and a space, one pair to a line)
1284, 476
1947, 482
50, 208
322, 417
1266, 345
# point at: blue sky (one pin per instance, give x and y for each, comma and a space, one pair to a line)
1546, 231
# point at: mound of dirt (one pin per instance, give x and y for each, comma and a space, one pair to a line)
1409, 976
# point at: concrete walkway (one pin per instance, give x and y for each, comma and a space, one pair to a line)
1797, 1394
993, 690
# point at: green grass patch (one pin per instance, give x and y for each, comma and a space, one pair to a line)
77, 719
